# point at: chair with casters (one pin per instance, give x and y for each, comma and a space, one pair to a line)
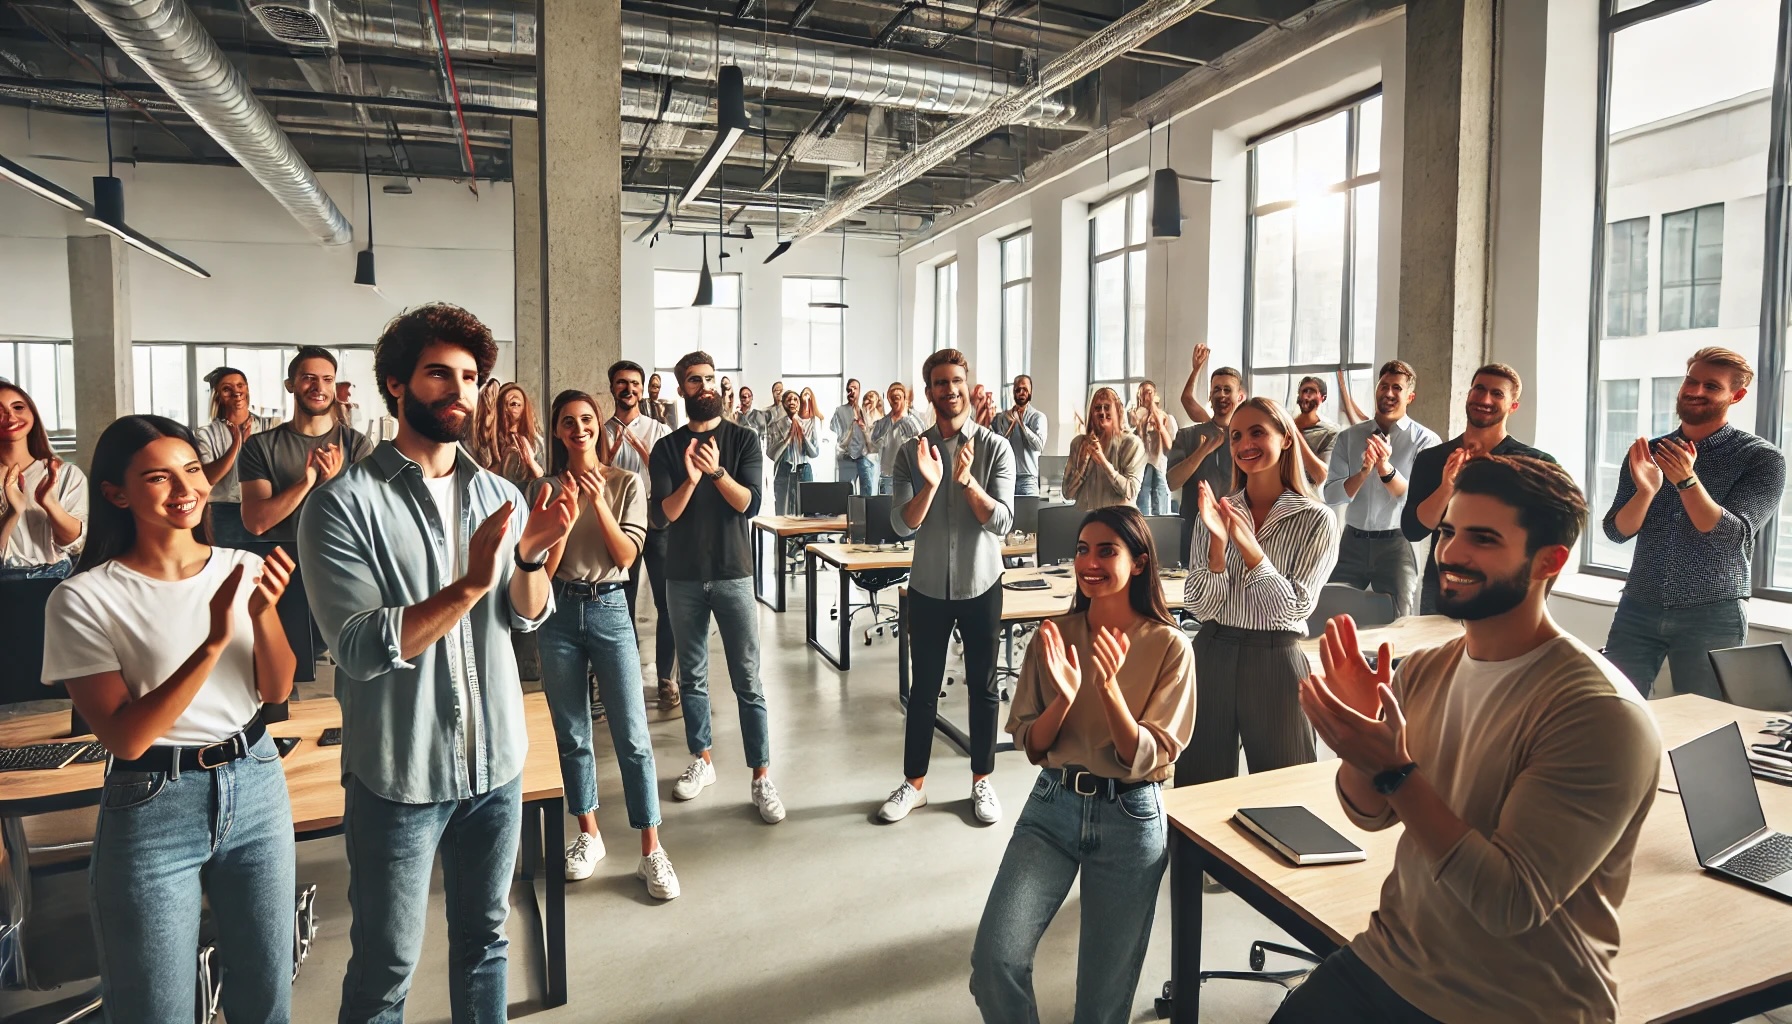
1260, 950
1367, 607
1758, 676
46, 934
872, 582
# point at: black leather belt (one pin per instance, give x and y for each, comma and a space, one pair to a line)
192, 759
1374, 534
1083, 782
579, 590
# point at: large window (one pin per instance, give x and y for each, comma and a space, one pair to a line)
170, 378
1627, 278
815, 345
679, 327
1315, 201
46, 370
1688, 116
1017, 307
1117, 237
945, 305
1692, 267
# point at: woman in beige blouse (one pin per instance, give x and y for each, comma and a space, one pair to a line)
590, 632
1104, 704
1107, 463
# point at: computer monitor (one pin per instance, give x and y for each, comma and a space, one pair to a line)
1058, 526
1166, 536
868, 520
855, 519
822, 498
1026, 512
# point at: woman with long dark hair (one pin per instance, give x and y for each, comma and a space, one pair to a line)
169, 646
519, 437
591, 631
43, 520
1257, 563
792, 443
1104, 704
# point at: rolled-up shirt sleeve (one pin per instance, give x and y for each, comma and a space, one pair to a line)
363, 635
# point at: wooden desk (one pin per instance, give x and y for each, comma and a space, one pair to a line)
769, 535
1695, 947
314, 785
843, 560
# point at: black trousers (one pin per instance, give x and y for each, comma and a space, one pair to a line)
295, 613
1249, 690
930, 622
1343, 990
653, 555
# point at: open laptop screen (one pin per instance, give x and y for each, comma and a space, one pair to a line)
1718, 791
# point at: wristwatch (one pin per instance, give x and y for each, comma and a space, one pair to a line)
1387, 782
1688, 484
716, 475
1390, 476
522, 566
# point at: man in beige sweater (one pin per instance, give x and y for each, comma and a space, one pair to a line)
1522, 765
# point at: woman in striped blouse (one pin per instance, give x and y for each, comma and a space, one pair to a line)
1258, 560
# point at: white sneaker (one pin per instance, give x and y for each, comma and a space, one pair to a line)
984, 802
765, 797
582, 855
905, 799
697, 775
656, 870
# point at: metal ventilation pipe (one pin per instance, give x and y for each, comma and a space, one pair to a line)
173, 48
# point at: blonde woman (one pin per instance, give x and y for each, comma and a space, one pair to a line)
1107, 461
485, 447
519, 437
1157, 432
1256, 565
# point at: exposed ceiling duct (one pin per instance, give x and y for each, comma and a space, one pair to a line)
1130, 30
174, 49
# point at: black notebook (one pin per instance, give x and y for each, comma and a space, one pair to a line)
1297, 834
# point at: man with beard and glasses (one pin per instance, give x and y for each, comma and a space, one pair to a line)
898, 426
426, 562
1319, 434
856, 460
1690, 578
1374, 554
1202, 452
279, 468
629, 437
1519, 761
705, 492
1024, 428
1492, 397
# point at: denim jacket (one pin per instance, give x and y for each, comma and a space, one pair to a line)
367, 549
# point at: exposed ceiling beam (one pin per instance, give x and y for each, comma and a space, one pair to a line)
55, 38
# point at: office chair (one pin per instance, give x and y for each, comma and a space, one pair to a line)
46, 936
1757, 677
1365, 606
873, 582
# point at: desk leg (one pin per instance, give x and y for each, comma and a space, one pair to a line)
544, 844
1183, 991
812, 628
845, 618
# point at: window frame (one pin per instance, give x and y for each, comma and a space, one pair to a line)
1632, 330
1025, 286
945, 311
1127, 383
794, 380
63, 436
1355, 355
1692, 282
665, 372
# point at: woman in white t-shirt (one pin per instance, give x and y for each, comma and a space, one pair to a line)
169, 647
43, 519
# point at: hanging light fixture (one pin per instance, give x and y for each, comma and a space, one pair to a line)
108, 211
706, 286
841, 302
731, 124
31, 181
364, 259
1166, 195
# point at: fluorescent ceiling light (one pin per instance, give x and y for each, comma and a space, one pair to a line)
31, 181
108, 215
731, 124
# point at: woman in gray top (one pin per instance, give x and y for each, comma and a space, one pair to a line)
590, 632
1106, 464
220, 442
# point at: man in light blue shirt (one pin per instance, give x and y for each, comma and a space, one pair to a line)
1369, 469
424, 563
898, 427
1024, 428
854, 459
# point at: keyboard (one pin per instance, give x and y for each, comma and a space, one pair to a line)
40, 756
1764, 861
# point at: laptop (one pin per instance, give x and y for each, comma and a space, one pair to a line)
1723, 812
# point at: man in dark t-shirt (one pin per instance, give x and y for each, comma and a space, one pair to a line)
1492, 397
705, 491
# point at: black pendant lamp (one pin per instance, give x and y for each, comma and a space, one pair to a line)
731, 124
108, 212
1166, 196
364, 259
706, 286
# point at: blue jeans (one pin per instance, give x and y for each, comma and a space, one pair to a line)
1121, 849
391, 848
1154, 493
692, 602
1643, 635
861, 471
1026, 485
784, 485
164, 841
597, 633
886, 485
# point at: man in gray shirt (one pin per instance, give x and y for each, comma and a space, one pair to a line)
1024, 428
854, 462
954, 493
1202, 452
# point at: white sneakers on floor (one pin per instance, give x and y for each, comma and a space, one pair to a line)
984, 802
582, 855
905, 799
698, 775
656, 870
765, 797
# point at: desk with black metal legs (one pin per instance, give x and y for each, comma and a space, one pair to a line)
770, 536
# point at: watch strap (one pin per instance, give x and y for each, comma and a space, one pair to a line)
1391, 474
1387, 782
1688, 484
516, 556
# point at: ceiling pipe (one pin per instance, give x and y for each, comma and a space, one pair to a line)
1133, 28
173, 48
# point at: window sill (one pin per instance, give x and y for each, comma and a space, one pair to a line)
1771, 616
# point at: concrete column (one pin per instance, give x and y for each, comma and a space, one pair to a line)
581, 191
525, 166
1444, 233
99, 293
